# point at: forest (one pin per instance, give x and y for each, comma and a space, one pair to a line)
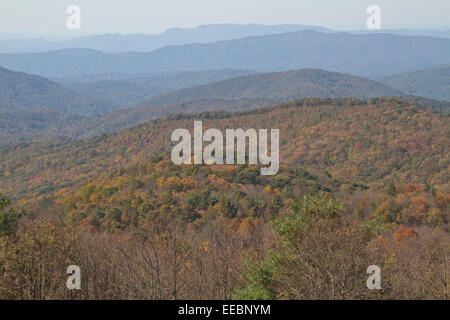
361, 183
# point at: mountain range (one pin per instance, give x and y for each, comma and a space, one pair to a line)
129, 89
41, 116
36, 108
374, 55
121, 43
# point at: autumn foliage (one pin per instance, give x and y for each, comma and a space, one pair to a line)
360, 183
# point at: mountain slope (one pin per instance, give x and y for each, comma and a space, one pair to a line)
37, 125
24, 92
135, 89
389, 140
374, 55
281, 86
358, 183
52, 126
431, 83
47, 125
236, 94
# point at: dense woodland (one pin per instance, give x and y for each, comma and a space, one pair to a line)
22, 92
127, 90
361, 183
35, 109
284, 86
432, 83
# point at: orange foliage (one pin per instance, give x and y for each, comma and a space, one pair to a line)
404, 234
412, 188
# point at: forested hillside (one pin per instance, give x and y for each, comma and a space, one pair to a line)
340, 138
25, 92
431, 83
38, 125
128, 90
234, 94
62, 118
283, 86
360, 183
52, 126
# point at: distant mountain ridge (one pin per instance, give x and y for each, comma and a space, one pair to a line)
374, 55
121, 43
405, 32
129, 90
431, 83
280, 86
235, 94
25, 92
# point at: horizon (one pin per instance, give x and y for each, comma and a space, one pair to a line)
47, 18
64, 36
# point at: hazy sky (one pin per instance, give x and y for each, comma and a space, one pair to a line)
154, 16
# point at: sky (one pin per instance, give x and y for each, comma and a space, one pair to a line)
155, 16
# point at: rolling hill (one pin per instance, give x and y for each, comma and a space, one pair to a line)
430, 83
24, 92
48, 125
128, 90
281, 86
38, 125
235, 94
359, 182
352, 139
376, 55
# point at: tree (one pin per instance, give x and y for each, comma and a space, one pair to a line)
226, 207
319, 257
8, 217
